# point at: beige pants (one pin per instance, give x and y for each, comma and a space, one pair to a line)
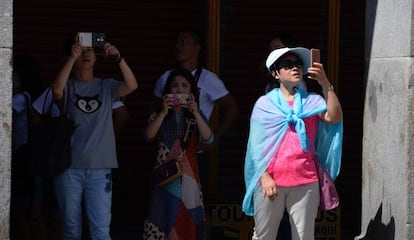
302, 205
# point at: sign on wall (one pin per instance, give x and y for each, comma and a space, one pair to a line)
328, 225
228, 222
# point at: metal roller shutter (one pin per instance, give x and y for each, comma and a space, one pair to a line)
144, 31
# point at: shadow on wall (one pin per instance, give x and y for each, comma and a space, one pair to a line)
377, 230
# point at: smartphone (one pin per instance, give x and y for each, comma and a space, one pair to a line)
315, 55
179, 99
92, 39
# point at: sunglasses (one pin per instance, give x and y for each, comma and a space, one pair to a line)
289, 64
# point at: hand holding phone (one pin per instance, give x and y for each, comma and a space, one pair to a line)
315, 55
179, 98
92, 39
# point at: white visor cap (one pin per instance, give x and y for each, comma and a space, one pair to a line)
302, 53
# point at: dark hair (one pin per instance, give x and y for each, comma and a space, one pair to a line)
194, 90
273, 67
285, 38
198, 37
187, 75
273, 82
195, 33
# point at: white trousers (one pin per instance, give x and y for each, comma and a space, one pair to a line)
300, 202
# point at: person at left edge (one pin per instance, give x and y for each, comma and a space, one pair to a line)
93, 142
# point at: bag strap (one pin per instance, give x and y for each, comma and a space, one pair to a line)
66, 94
190, 122
185, 139
28, 107
198, 73
196, 78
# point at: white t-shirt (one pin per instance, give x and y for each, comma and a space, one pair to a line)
209, 85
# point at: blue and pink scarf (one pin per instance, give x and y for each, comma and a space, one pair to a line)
269, 122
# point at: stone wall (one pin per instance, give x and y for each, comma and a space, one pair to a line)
387, 168
6, 43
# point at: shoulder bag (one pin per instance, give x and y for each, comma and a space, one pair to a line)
51, 140
171, 170
329, 198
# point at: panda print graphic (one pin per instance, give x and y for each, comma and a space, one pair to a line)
87, 104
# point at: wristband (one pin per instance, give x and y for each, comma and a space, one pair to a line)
117, 61
330, 88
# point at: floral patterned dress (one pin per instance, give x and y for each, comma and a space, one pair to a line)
176, 210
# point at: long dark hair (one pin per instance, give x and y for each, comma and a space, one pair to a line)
189, 117
185, 74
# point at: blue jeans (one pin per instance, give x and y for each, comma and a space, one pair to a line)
95, 187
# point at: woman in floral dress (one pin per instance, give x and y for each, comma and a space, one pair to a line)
176, 208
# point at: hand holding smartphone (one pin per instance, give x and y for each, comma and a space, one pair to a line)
179, 99
315, 55
92, 39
